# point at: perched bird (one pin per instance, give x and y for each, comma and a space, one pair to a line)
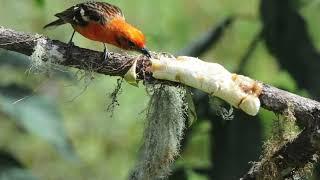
103, 22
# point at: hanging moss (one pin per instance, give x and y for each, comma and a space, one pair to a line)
165, 121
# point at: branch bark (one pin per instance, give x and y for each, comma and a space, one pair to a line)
292, 155
304, 148
239, 91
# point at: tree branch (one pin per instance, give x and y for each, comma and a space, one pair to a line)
303, 149
239, 91
60, 53
306, 111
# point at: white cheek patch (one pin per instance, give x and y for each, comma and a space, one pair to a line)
83, 16
82, 12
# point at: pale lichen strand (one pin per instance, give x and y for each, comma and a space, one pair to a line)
165, 122
54, 55
39, 53
284, 130
2, 29
45, 56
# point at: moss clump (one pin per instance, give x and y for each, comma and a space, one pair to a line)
284, 131
165, 122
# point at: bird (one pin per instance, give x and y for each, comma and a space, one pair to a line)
102, 22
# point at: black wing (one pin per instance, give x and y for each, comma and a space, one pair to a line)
73, 16
81, 14
67, 16
105, 9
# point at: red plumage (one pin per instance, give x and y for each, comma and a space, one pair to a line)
103, 22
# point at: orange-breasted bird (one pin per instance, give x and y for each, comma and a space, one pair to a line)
103, 22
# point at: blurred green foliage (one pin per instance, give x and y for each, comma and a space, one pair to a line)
38, 115
70, 113
40, 3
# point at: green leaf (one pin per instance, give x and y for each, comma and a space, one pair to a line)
192, 114
12, 169
38, 115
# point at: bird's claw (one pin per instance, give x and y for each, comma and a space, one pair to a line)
69, 49
70, 44
105, 57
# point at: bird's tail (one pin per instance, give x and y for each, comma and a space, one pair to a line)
54, 23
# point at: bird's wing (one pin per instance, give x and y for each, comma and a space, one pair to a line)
82, 14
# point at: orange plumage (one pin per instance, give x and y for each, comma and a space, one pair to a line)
103, 22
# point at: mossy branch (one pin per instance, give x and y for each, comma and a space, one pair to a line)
241, 92
306, 111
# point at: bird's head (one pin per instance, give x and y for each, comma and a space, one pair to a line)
129, 38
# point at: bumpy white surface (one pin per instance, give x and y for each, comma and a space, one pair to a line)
54, 54
45, 56
240, 91
39, 53
46, 51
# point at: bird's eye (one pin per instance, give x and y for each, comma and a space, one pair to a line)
131, 44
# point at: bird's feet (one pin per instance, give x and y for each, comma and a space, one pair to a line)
105, 55
69, 49
70, 44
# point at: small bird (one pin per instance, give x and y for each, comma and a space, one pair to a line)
103, 22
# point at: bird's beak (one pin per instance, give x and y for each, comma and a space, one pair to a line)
146, 52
